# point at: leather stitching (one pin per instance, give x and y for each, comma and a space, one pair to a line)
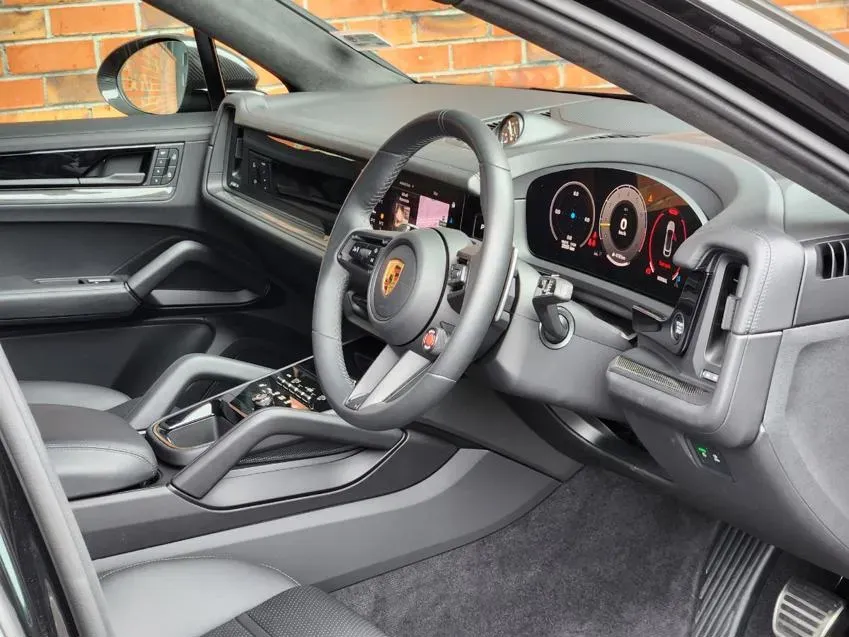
763, 283
109, 574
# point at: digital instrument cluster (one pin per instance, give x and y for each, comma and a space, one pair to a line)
618, 225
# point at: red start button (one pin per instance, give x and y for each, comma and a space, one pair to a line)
429, 339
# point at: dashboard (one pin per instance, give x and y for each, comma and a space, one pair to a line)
728, 371
617, 225
311, 184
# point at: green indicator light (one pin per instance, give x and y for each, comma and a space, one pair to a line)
702, 450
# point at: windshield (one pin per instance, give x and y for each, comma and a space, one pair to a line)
432, 43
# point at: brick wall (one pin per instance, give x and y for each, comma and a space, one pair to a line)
50, 49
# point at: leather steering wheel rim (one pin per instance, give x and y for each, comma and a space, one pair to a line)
432, 382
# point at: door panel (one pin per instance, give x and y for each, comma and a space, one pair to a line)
197, 283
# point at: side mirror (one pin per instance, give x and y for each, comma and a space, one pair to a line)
161, 75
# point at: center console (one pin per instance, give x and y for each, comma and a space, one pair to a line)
181, 437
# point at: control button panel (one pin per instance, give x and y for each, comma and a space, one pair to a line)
166, 160
364, 254
295, 388
259, 172
710, 457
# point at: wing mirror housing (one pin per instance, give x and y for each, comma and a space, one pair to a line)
163, 74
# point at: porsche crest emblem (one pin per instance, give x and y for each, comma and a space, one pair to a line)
391, 275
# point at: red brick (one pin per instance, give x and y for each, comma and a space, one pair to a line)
828, 18
417, 59
79, 88
153, 18
345, 8
22, 25
26, 3
841, 36
484, 54
449, 27
401, 6
537, 53
104, 110
577, 77
498, 32
21, 93
50, 56
108, 18
107, 45
529, 77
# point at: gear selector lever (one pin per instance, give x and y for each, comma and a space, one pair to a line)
550, 292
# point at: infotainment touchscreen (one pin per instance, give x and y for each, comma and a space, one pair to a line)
418, 201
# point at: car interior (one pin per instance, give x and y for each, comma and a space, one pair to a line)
382, 357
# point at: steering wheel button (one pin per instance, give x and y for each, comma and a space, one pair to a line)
430, 340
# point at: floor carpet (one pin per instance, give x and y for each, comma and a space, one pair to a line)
603, 556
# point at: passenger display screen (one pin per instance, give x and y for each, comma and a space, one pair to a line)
420, 202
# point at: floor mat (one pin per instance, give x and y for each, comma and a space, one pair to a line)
603, 556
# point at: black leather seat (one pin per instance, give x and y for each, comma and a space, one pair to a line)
185, 597
213, 597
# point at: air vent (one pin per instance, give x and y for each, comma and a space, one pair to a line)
493, 124
545, 113
833, 259
613, 136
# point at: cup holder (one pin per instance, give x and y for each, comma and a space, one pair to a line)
198, 433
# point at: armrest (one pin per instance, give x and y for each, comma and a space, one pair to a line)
22, 299
160, 398
203, 474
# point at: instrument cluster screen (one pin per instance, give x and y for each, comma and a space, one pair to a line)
620, 226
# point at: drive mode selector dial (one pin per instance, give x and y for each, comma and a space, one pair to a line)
622, 225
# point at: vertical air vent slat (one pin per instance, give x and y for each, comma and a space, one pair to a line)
833, 259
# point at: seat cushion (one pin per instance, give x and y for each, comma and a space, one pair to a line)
48, 392
94, 452
197, 597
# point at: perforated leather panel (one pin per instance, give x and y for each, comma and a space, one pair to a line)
302, 611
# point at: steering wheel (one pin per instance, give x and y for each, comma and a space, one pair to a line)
433, 293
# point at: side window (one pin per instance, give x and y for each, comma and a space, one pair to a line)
51, 51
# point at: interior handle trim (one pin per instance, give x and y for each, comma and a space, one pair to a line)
115, 179
152, 275
39, 182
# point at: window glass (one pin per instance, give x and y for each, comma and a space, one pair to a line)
50, 51
434, 43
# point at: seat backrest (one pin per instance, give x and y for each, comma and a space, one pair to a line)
44, 524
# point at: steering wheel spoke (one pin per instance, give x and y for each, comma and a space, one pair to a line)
392, 371
361, 249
